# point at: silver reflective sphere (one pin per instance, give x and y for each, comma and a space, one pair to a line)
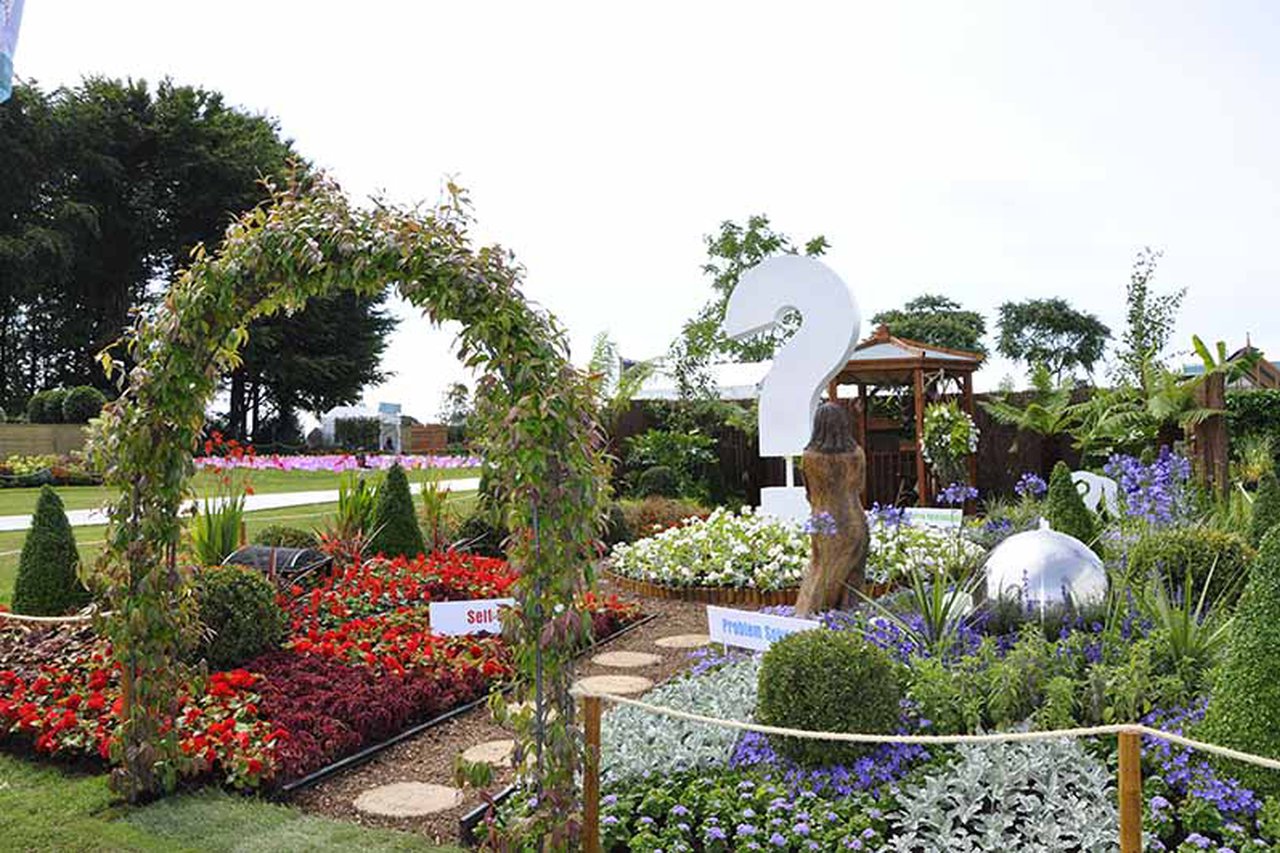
1046, 562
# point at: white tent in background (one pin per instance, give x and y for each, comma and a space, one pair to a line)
733, 380
387, 415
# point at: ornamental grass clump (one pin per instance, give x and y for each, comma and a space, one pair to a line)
832, 681
1066, 510
47, 582
395, 521
1244, 712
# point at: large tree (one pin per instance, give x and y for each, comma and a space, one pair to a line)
321, 357
935, 319
730, 253
105, 188
1052, 333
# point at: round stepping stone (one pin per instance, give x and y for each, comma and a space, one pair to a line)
408, 799
683, 641
619, 684
626, 660
494, 752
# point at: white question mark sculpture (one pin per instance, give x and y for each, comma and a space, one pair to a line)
1098, 491
802, 367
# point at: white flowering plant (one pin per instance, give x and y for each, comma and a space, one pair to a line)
744, 549
898, 548
950, 436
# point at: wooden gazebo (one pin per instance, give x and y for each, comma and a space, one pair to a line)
933, 373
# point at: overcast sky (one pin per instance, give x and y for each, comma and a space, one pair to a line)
989, 151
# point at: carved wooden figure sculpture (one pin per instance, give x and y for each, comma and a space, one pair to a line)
834, 476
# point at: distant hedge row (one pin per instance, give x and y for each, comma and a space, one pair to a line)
1254, 412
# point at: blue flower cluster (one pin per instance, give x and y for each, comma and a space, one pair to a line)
1031, 485
887, 763
887, 516
821, 524
957, 494
1154, 493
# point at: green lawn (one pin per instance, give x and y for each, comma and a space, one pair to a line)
23, 501
89, 539
45, 808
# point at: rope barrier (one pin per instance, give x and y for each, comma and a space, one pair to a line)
49, 620
937, 740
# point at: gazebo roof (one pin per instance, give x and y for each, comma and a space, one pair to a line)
885, 359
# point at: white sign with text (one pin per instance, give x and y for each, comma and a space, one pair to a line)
455, 618
947, 519
748, 629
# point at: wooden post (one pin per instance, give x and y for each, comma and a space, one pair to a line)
922, 470
833, 390
973, 457
1130, 793
591, 775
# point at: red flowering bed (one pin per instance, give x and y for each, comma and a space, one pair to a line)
360, 665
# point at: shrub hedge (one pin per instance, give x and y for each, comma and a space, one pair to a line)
81, 404
283, 536
1244, 711
658, 481
1168, 553
1266, 508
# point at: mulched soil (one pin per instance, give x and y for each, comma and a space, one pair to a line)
430, 756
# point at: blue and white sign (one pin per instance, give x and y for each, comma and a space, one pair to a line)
458, 618
748, 629
10, 18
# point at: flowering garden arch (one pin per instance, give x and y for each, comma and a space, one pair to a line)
540, 441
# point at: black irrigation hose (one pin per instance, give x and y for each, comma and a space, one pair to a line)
356, 759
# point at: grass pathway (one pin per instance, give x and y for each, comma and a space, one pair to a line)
44, 808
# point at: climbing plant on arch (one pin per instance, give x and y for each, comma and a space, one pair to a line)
540, 442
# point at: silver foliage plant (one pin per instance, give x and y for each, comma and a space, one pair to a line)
1036, 797
635, 743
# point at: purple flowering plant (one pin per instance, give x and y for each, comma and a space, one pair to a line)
1031, 486
1154, 493
731, 810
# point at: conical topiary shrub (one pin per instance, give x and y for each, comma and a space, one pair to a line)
47, 583
1266, 508
1065, 508
395, 521
1244, 712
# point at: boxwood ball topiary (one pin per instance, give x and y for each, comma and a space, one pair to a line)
47, 582
1244, 711
1266, 508
1066, 510
395, 520
831, 681
240, 614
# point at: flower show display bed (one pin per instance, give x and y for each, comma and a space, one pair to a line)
360, 666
